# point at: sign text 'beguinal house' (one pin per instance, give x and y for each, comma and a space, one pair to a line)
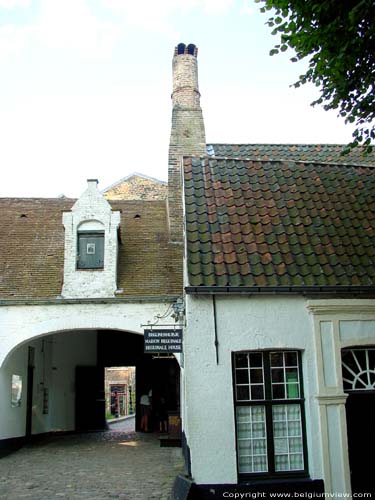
163, 340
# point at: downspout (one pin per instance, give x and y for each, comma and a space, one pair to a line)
216, 342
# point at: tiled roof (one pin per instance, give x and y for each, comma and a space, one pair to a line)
323, 153
32, 249
273, 224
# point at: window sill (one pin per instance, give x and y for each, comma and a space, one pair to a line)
90, 269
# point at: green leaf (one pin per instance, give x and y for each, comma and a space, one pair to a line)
337, 40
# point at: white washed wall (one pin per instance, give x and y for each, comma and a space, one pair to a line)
73, 342
243, 323
13, 419
92, 208
56, 357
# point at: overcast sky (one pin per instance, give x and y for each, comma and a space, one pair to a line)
85, 88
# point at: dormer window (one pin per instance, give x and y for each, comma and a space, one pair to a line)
91, 246
90, 250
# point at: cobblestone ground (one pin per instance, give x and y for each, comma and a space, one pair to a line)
93, 466
125, 425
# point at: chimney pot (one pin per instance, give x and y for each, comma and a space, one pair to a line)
92, 183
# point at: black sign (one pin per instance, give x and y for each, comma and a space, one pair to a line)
163, 340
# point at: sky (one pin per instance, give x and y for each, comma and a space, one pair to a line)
85, 88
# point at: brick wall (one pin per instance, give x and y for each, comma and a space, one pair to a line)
137, 187
187, 132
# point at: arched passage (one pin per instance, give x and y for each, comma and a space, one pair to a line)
46, 356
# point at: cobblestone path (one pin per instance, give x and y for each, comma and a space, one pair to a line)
126, 424
93, 466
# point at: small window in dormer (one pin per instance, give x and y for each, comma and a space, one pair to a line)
90, 250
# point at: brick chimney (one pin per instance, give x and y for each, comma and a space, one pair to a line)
187, 134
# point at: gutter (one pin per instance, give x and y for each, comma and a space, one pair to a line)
60, 301
275, 290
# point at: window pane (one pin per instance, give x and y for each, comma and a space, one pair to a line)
243, 430
256, 360
257, 413
287, 437
281, 445
277, 375
292, 383
256, 376
294, 412
251, 439
258, 430
291, 374
242, 376
279, 429
259, 446
294, 429
285, 378
292, 391
296, 461
278, 391
281, 462
260, 463
250, 377
278, 413
295, 445
243, 393
241, 360
257, 392
291, 359
243, 414
277, 359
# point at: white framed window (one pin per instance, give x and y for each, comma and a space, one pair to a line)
269, 412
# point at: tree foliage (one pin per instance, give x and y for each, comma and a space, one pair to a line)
338, 37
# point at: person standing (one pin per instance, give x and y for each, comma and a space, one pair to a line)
145, 412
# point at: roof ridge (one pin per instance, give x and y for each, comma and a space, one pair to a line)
278, 144
286, 160
36, 198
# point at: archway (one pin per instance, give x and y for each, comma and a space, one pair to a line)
63, 379
158, 374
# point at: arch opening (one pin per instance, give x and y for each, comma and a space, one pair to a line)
63, 380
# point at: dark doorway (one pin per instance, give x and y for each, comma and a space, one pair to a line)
90, 400
358, 373
360, 414
158, 374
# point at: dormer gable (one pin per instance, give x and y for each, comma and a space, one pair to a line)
91, 246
